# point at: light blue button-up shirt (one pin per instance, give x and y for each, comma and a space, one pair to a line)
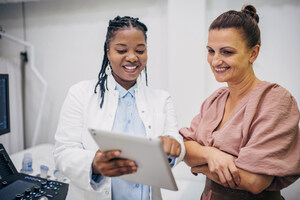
128, 121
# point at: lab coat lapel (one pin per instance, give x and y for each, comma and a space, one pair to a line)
143, 106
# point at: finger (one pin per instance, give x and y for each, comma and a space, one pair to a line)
216, 177
97, 154
172, 148
161, 138
229, 178
175, 149
193, 172
108, 155
121, 163
98, 151
115, 164
213, 171
222, 178
235, 174
166, 144
197, 169
96, 161
178, 150
120, 171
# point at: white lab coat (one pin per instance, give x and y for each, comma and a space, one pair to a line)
75, 148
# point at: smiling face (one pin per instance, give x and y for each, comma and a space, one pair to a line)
127, 55
229, 57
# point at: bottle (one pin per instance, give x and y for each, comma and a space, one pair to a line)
59, 176
44, 171
27, 164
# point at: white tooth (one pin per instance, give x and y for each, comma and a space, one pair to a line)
220, 69
130, 67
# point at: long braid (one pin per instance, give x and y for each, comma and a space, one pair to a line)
114, 25
102, 77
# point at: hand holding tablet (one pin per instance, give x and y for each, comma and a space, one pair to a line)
152, 163
110, 164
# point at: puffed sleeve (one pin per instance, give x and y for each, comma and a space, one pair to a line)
190, 133
207, 117
273, 144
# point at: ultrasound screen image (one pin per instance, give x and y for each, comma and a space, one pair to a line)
4, 105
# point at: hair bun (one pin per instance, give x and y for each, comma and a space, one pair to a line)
251, 10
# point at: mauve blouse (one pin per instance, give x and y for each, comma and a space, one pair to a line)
262, 132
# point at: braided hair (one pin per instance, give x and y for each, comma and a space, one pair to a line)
116, 24
246, 20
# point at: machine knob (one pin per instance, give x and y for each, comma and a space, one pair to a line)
27, 191
4, 183
37, 188
44, 183
18, 196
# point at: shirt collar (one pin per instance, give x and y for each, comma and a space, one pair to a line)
111, 82
123, 92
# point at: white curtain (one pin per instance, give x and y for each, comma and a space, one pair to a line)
13, 141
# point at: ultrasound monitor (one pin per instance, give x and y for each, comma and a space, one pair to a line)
4, 105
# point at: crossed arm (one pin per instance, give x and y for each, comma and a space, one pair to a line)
220, 168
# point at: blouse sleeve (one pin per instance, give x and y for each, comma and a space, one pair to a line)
273, 138
191, 132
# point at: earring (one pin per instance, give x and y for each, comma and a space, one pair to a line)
108, 70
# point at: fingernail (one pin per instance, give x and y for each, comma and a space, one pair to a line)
195, 174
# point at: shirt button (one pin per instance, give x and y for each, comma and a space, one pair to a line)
149, 126
137, 185
107, 192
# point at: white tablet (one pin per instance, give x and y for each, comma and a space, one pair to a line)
148, 153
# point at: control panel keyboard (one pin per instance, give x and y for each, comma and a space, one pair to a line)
19, 186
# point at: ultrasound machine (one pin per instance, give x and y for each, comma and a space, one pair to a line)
15, 185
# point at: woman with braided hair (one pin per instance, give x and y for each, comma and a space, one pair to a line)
245, 139
119, 101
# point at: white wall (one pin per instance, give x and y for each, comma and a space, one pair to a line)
69, 34
68, 37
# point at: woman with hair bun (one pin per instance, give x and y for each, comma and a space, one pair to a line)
246, 137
